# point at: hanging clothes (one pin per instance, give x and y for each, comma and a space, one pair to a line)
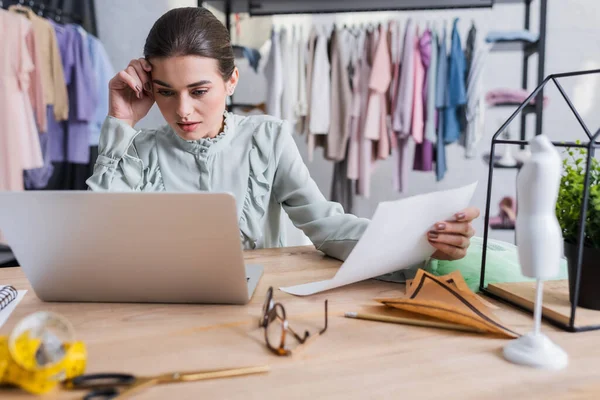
341, 100
359, 89
103, 73
342, 71
251, 55
395, 57
342, 188
19, 143
289, 64
417, 119
301, 106
423, 160
470, 48
36, 86
441, 104
365, 152
320, 110
431, 114
376, 127
274, 75
50, 64
456, 93
69, 145
81, 84
475, 109
396, 42
310, 55
402, 117
403, 111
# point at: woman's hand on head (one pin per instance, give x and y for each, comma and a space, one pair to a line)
452, 238
130, 92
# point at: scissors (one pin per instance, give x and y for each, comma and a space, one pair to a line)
104, 385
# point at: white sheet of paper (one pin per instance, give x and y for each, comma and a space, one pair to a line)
6, 311
395, 239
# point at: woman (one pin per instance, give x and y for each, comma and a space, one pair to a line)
189, 70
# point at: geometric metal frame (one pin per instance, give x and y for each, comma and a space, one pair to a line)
591, 145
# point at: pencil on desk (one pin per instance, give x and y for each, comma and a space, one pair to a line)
411, 321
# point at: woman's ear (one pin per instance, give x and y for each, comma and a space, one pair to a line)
233, 81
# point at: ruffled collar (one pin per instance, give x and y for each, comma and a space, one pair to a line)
208, 145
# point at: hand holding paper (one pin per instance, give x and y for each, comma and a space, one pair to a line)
395, 239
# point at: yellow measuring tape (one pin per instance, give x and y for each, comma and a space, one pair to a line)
40, 353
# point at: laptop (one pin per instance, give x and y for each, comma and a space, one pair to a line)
83, 246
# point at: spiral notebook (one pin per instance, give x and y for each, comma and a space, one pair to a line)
9, 299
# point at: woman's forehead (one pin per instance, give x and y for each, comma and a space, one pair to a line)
184, 70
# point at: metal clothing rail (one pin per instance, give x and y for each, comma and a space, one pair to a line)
275, 7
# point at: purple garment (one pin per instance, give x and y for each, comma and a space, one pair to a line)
69, 141
423, 160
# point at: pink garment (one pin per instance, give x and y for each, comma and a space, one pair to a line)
377, 110
509, 95
418, 118
360, 89
19, 143
36, 87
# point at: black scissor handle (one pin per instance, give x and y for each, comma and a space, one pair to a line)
92, 381
102, 394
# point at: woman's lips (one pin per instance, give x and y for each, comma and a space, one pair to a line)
188, 126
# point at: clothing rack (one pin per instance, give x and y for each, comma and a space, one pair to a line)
278, 7
62, 11
281, 7
81, 12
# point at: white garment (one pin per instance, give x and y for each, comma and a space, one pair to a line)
274, 75
475, 99
301, 108
289, 64
402, 114
321, 89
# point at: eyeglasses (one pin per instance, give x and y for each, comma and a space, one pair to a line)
276, 326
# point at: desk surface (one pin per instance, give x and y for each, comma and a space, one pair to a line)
353, 359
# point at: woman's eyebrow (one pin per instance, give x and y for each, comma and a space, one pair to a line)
199, 83
161, 83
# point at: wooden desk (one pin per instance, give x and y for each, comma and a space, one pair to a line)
354, 359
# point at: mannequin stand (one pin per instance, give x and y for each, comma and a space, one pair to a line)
535, 349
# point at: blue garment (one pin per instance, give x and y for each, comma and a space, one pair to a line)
440, 104
104, 72
252, 55
456, 92
504, 36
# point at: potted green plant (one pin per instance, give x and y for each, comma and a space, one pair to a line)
568, 209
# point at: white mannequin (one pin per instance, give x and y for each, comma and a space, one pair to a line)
539, 242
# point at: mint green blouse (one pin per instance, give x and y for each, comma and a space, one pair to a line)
255, 158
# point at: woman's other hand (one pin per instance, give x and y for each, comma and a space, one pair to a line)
452, 238
130, 92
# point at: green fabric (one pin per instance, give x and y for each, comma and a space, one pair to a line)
255, 159
502, 264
